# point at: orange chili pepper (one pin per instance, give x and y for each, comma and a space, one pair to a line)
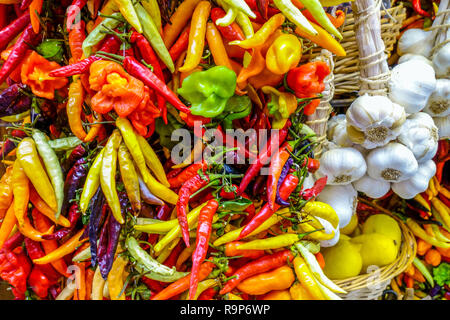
323, 39
95, 128
178, 21
43, 208
216, 46
6, 193
89, 277
35, 10
197, 36
35, 73
336, 21
115, 88
76, 38
433, 257
9, 221
256, 66
21, 191
75, 108
80, 292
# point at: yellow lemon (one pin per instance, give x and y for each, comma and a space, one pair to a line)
343, 260
385, 225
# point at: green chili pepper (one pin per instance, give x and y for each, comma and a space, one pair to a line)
52, 166
128, 12
152, 268
16, 117
129, 177
316, 10
92, 182
235, 205
64, 144
98, 34
108, 174
237, 107
208, 91
152, 34
424, 271
52, 49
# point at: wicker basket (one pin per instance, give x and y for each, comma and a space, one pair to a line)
370, 286
346, 69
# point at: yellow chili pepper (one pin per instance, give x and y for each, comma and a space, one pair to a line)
98, 283
197, 36
442, 209
216, 46
32, 166
175, 232
205, 284
422, 201
322, 210
68, 247
261, 36
167, 251
444, 192
115, 278
108, 175
299, 292
129, 178
92, 182
323, 39
231, 296
152, 7
432, 188
284, 54
245, 23
276, 242
74, 108
306, 278
234, 234
420, 233
197, 150
128, 12
313, 234
21, 192
161, 227
152, 161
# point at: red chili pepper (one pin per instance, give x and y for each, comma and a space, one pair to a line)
315, 190
111, 45
229, 194
202, 243
250, 211
76, 38
258, 266
8, 33
232, 251
13, 242
189, 187
39, 282
288, 186
263, 8
172, 258
72, 12
231, 32
25, 4
208, 294
74, 216
35, 251
14, 269
187, 174
444, 199
18, 52
179, 46
276, 166
417, 6
150, 57
137, 70
153, 285
262, 159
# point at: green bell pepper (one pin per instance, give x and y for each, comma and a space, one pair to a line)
208, 91
237, 107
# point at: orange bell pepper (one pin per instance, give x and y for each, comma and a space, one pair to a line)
35, 73
115, 89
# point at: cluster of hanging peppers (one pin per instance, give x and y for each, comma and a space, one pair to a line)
93, 93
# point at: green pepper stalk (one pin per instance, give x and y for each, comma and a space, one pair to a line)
152, 268
98, 33
52, 166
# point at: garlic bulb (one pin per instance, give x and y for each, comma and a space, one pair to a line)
371, 120
337, 131
391, 163
443, 125
416, 41
417, 183
342, 165
411, 84
342, 199
308, 182
411, 56
438, 104
372, 188
420, 135
441, 61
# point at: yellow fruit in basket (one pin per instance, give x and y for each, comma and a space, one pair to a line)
348, 229
343, 260
383, 224
376, 249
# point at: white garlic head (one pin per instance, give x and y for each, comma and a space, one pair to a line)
417, 183
441, 61
438, 105
411, 56
415, 41
443, 125
391, 163
342, 165
343, 199
337, 131
371, 120
411, 84
372, 188
420, 135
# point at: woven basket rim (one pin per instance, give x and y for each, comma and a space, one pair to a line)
406, 255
